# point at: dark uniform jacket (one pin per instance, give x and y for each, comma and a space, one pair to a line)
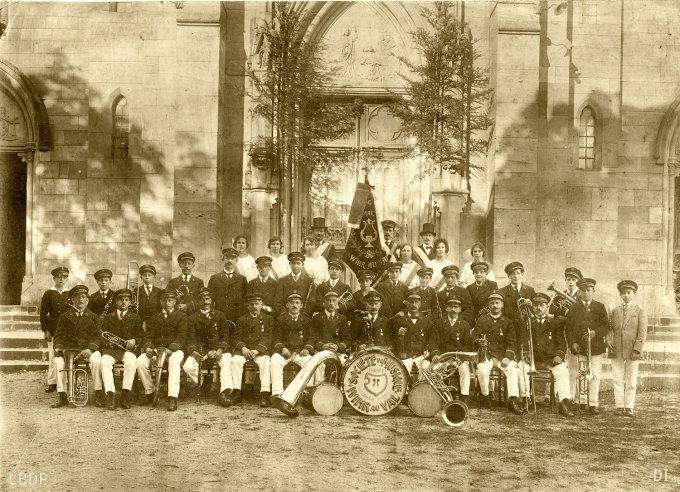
149, 304
479, 294
510, 298
500, 335
208, 331
448, 338
170, 332
548, 340
229, 294
393, 296
323, 288
580, 319
267, 290
193, 284
129, 328
74, 332
53, 305
359, 303
98, 302
378, 332
417, 336
287, 286
295, 334
461, 292
254, 333
328, 330
429, 303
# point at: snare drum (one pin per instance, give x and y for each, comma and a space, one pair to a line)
324, 398
374, 381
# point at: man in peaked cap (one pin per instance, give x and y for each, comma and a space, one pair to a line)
515, 290
319, 231
388, 227
296, 281
264, 284
572, 275
228, 287
481, 288
186, 284
392, 290
102, 298
429, 304
149, 294
411, 333
335, 269
54, 303
451, 288
370, 327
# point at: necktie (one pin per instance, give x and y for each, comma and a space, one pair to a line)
120, 315
517, 289
148, 291
103, 293
186, 279
331, 316
165, 313
625, 308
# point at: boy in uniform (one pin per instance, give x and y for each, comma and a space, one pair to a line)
452, 289
297, 281
102, 300
429, 303
264, 284
515, 290
481, 288
187, 280
54, 303
335, 269
392, 291
149, 302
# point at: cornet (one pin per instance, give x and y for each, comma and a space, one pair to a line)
562, 300
345, 298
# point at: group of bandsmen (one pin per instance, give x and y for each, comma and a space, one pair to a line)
276, 322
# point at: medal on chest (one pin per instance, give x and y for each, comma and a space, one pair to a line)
549, 335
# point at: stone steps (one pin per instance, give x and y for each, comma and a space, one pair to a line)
18, 309
33, 354
8, 366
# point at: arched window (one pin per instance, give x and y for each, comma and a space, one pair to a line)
121, 128
587, 140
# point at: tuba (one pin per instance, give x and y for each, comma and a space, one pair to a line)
77, 381
162, 357
454, 412
287, 400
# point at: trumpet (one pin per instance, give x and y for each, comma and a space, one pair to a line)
562, 301
114, 339
181, 292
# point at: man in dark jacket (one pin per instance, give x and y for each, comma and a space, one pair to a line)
54, 303
228, 288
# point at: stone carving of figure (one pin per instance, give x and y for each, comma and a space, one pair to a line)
8, 125
349, 38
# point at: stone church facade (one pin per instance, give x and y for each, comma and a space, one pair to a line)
124, 131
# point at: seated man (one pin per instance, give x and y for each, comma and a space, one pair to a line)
549, 348
166, 332
294, 342
452, 334
208, 343
126, 325
494, 337
76, 330
252, 341
411, 332
371, 328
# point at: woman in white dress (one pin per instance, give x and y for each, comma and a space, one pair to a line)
478, 252
245, 264
441, 249
409, 269
280, 265
315, 265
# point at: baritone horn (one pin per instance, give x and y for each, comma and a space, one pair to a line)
454, 412
561, 300
162, 353
77, 381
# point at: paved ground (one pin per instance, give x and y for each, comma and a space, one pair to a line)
207, 447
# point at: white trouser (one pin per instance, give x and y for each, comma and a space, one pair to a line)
278, 362
624, 380
95, 370
320, 373
420, 363
561, 375
594, 384
516, 384
144, 371
262, 361
191, 369
51, 370
464, 378
129, 367
60, 365
572, 363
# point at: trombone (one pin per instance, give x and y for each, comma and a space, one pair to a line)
525, 314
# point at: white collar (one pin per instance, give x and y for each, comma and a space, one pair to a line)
57, 290
495, 317
333, 282
630, 304
206, 311
328, 313
168, 313
229, 273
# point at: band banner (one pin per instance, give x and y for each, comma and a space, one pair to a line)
363, 250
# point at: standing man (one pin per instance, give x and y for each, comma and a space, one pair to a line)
429, 303
388, 227
127, 325
335, 269
264, 284
587, 322
319, 231
481, 288
77, 330
149, 295
297, 281
102, 300
186, 283
166, 331
629, 332
228, 288
452, 289
393, 292
54, 303
515, 290
424, 252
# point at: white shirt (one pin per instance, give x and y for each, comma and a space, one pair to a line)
329, 314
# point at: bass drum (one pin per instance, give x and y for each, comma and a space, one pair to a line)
324, 398
423, 400
375, 381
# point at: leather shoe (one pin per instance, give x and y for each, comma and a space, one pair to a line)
50, 388
264, 399
619, 411
110, 400
464, 398
172, 404
564, 409
62, 400
594, 410
235, 397
515, 407
126, 399
147, 400
99, 399
223, 399
628, 412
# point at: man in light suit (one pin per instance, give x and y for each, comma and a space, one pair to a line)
628, 335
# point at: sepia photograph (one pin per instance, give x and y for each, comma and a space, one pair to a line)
372, 245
